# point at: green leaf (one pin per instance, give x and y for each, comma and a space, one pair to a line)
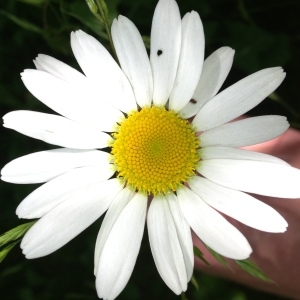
199, 254
6, 250
217, 256
252, 269
15, 233
194, 282
22, 23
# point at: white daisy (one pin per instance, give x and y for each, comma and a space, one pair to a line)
140, 112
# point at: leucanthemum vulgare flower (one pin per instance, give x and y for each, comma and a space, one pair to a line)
188, 171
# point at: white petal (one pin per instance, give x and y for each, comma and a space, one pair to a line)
102, 70
134, 59
239, 98
56, 130
43, 166
165, 245
190, 61
58, 69
184, 234
213, 229
78, 102
239, 206
233, 153
57, 190
245, 132
69, 218
121, 249
263, 178
165, 49
111, 216
214, 72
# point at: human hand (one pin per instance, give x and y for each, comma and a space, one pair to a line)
277, 255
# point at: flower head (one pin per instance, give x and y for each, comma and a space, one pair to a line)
140, 111
155, 151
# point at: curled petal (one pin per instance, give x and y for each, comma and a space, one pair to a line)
165, 246
121, 247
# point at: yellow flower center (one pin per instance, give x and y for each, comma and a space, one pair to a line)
154, 150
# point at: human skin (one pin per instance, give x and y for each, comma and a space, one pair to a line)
276, 254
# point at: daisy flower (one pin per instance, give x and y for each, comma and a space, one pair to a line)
127, 142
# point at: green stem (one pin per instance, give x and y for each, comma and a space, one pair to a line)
289, 108
183, 296
103, 11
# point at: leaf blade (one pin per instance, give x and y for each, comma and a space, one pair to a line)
15, 233
252, 269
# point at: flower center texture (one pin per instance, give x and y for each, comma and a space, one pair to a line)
154, 150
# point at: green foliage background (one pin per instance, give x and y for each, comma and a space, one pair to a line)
263, 33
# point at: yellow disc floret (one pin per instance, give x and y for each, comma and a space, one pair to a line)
154, 150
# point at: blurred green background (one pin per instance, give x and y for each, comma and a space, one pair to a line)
263, 33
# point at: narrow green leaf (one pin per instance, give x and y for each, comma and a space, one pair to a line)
199, 254
252, 269
22, 23
217, 256
92, 6
103, 8
194, 282
6, 250
15, 233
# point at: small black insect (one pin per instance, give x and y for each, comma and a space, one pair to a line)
193, 101
159, 52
